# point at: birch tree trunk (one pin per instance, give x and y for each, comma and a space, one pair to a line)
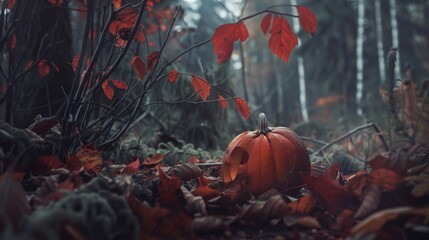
359, 56
395, 36
301, 72
380, 45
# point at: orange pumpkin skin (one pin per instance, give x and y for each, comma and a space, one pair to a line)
270, 158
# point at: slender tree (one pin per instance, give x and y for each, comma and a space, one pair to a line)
301, 72
379, 37
395, 35
359, 56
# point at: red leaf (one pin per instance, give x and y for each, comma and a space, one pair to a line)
45, 163
73, 163
307, 19
170, 194
11, 42
282, 39
242, 107
304, 204
331, 195
28, 65
43, 125
10, 4
75, 61
206, 192
135, 164
139, 66
152, 59
55, 2
44, 68
154, 160
266, 23
223, 102
224, 37
386, 178
119, 84
108, 91
201, 86
117, 3
172, 76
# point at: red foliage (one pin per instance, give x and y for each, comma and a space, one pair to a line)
139, 66
224, 37
44, 68
201, 86
172, 76
242, 107
108, 91
152, 59
307, 19
223, 102
266, 23
282, 40
119, 84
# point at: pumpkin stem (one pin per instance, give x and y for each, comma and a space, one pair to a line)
262, 125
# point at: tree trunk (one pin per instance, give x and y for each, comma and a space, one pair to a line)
359, 57
379, 37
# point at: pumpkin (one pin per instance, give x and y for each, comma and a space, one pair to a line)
269, 157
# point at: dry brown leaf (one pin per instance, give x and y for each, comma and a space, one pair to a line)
208, 224
385, 178
194, 204
422, 185
90, 158
304, 204
370, 201
264, 212
377, 220
186, 171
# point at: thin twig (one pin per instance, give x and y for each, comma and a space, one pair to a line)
369, 125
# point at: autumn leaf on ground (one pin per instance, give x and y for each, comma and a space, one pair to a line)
242, 107
172, 76
370, 201
224, 37
264, 211
377, 220
153, 160
119, 84
90, 158
170, 194
223, 102
43, 125
331, 195
186, 171
304, 204
161, 223
194, 204
108, 91
307, 19
282, 40
201, 86
386, 179
132, 167
44, 68
14, 205
206, 192
45, 163
139, 66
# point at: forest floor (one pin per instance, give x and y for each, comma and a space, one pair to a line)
87, 196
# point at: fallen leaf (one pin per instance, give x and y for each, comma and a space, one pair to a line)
194, 204
370, 201
304, 204
186, 171
43, 164
386, 178
43, 125
170, 193
153, 160
262, 212
208, 224
90, 158
206, 192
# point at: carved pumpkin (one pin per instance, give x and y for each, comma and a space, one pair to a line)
270, 158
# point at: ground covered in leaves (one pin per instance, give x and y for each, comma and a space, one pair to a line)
93, 195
